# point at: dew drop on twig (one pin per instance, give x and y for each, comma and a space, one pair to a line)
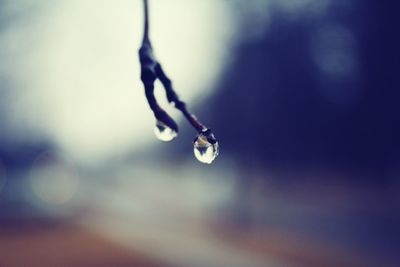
163, 132
204, 150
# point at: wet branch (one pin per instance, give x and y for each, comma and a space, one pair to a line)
151, 70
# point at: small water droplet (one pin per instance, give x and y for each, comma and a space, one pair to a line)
204, 150
163, 132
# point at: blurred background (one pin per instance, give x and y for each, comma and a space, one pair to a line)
302, 95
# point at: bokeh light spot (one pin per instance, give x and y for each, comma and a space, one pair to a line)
54, 181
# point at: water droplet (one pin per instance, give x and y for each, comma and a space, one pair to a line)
204, 150
163, 132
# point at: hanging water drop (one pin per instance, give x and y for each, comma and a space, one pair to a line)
205, 147
163, 132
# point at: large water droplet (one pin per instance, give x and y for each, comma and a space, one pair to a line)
204, 150
163, 132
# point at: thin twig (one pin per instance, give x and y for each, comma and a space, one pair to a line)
150, 71
146, 38
179, 104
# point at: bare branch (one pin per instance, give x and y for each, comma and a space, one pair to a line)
151, 70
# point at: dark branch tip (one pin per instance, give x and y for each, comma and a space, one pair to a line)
209, 135
163, 116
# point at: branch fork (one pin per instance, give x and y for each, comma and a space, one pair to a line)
151, 70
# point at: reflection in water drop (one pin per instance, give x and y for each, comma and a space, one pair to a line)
204, 150
164, 133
